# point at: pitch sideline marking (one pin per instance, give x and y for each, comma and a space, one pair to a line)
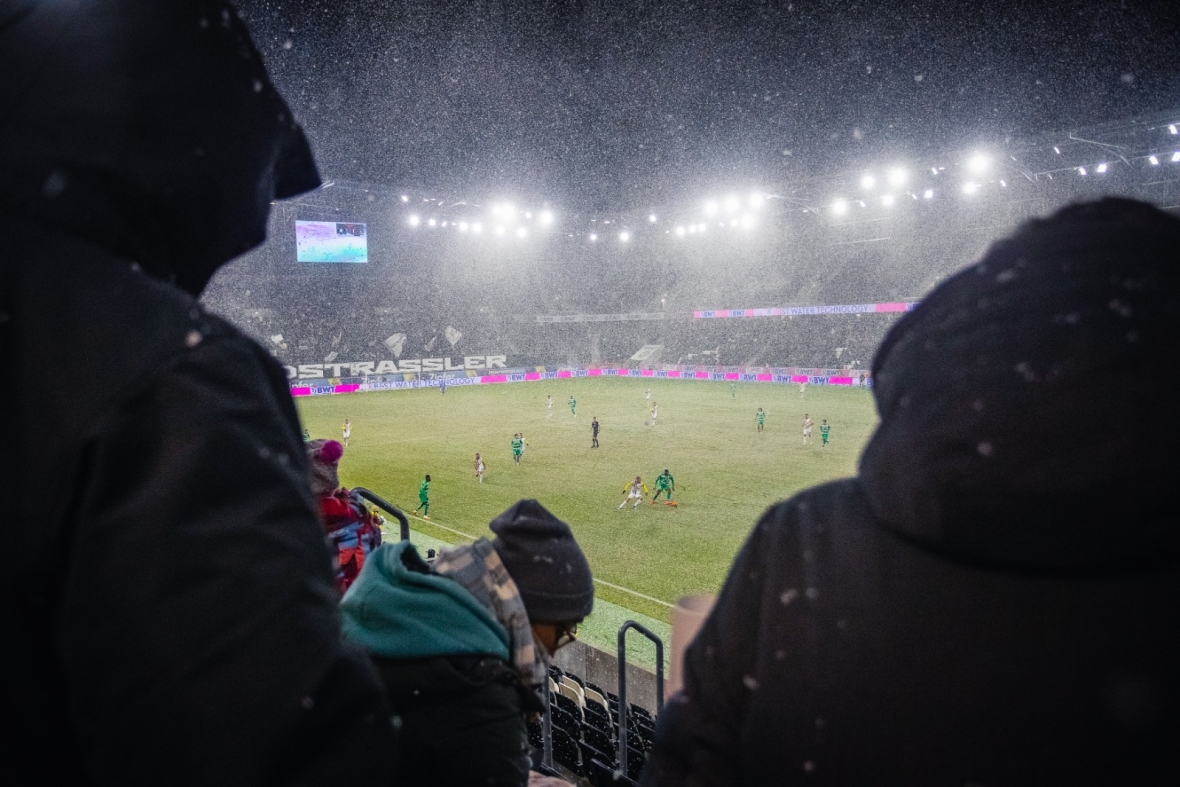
599, 581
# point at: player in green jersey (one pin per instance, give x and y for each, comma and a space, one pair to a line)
824, 428
573, 403
424, 498
664, 483
760, 418
517, 447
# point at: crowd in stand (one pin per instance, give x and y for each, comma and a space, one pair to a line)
992, 599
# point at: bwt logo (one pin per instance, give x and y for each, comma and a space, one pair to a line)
315, 371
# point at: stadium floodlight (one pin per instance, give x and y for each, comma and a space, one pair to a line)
462, 226
711, 208
414, 220
757, 199
887, 200
1172, 128
1102, 167
867, 182
692, 228
405, 198
432, 223
839, 207
898, 177
652, 218
521, 232
624, 236
928, 194
1176, 156
1155, 162
593, 237
1082, 171
545, 218
978, 164
747, 221
680, 232
970, 187
477, 228
732, 204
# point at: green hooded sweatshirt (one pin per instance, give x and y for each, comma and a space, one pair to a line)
399, 613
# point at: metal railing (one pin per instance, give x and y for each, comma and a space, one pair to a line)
388, 507
659, 643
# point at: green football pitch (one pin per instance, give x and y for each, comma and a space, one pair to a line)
726, 472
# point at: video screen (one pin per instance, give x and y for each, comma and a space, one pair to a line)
331, 241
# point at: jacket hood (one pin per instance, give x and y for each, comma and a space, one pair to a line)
399, 609
148, 128
1026, 404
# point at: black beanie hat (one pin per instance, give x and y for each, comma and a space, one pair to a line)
545, 562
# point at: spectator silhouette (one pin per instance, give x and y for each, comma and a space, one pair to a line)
170, 614
993, 600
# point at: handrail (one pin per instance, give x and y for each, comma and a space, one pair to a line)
631, 624
388, 507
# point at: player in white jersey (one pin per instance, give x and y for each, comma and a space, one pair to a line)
635, 490
548, 406
802, 388
479, 467
655, 411
647, 395
807, 424
346, 431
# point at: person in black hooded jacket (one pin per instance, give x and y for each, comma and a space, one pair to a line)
993, 600
168, 607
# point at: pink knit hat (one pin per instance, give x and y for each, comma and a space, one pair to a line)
324, 455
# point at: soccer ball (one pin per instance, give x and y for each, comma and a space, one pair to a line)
672, 503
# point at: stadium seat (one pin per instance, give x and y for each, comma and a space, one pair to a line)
566, 751
599, 738
569, 706
579, 695
569, 691
593, 695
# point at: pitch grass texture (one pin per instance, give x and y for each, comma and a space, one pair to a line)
727, 473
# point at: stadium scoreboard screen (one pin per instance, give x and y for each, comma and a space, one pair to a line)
331, 241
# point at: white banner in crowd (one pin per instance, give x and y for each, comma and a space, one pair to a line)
453, 336
395, 344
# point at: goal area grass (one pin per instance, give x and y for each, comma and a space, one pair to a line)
726, 472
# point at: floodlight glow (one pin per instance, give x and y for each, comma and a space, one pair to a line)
444, 224
593, 237
928, 194
521, 232
840, 207
1082, 171
432, 223
757, 199
692, 228
1176, 156
711, 208
528, 214
747, 221
1172, 129
680, 232
703, 226
462, 226
1154, 161
414, 221
898, 177
499, 230
1102, 167
887, 200
867, 182
624, 236
970, 188
934, 170
545, 217
978, 164
405, 198
1003, 183
477, 228
732, 204
652, 218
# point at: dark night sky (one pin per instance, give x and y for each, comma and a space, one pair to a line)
611, 104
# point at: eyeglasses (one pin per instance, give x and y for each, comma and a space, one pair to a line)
566, 635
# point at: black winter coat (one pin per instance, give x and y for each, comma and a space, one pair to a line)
168, 608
